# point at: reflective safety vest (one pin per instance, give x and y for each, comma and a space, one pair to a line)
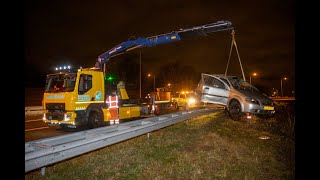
112, 102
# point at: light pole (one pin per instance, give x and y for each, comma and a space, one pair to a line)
254, 74
140, 74
154, 83
281, 85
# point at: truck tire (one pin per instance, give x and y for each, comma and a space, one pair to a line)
235, 110
95, 119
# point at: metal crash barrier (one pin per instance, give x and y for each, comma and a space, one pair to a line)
43, 152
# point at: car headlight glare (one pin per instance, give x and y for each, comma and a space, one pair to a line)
191, 100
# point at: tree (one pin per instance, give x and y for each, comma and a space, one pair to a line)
181, 77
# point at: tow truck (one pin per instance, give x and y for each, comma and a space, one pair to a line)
83, 96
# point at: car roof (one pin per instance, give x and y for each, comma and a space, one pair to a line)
220, 75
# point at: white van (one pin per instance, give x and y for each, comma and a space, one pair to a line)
238, 96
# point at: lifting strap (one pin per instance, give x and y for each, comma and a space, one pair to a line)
233, 42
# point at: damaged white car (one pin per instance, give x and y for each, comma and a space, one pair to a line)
238, 96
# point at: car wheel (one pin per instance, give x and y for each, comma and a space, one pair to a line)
235, 110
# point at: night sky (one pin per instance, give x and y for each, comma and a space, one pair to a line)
77, 32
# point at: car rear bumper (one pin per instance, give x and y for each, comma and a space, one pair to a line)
262, 112
259, 110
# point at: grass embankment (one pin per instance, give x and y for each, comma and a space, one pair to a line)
206, 147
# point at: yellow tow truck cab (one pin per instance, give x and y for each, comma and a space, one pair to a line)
84, 97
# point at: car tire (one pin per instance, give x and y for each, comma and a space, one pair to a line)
235, 110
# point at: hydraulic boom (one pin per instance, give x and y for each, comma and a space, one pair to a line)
163, 38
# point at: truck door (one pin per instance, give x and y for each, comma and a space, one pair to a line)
214, 90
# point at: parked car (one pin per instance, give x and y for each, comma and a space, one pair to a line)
238, 96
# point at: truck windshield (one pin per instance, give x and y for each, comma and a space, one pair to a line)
60, 82
239, 83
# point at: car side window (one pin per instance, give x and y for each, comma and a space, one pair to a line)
207, 80
225, 81
213, 82
218, 84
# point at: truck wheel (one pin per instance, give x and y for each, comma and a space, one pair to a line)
235, 110
95, 120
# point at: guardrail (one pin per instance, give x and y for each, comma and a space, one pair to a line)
43, 152
33, 110
283, 98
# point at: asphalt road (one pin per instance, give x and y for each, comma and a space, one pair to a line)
35, 128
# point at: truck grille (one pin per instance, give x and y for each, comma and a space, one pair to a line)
55, 116
55, 106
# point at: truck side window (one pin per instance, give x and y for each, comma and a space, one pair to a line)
85, 83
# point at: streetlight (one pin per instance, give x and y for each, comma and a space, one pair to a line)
254, 74
281, 85
154, 83
140, 73
169, 87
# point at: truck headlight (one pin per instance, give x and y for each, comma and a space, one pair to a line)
251, 100
67, 117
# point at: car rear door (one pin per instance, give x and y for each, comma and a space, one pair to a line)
214, 90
